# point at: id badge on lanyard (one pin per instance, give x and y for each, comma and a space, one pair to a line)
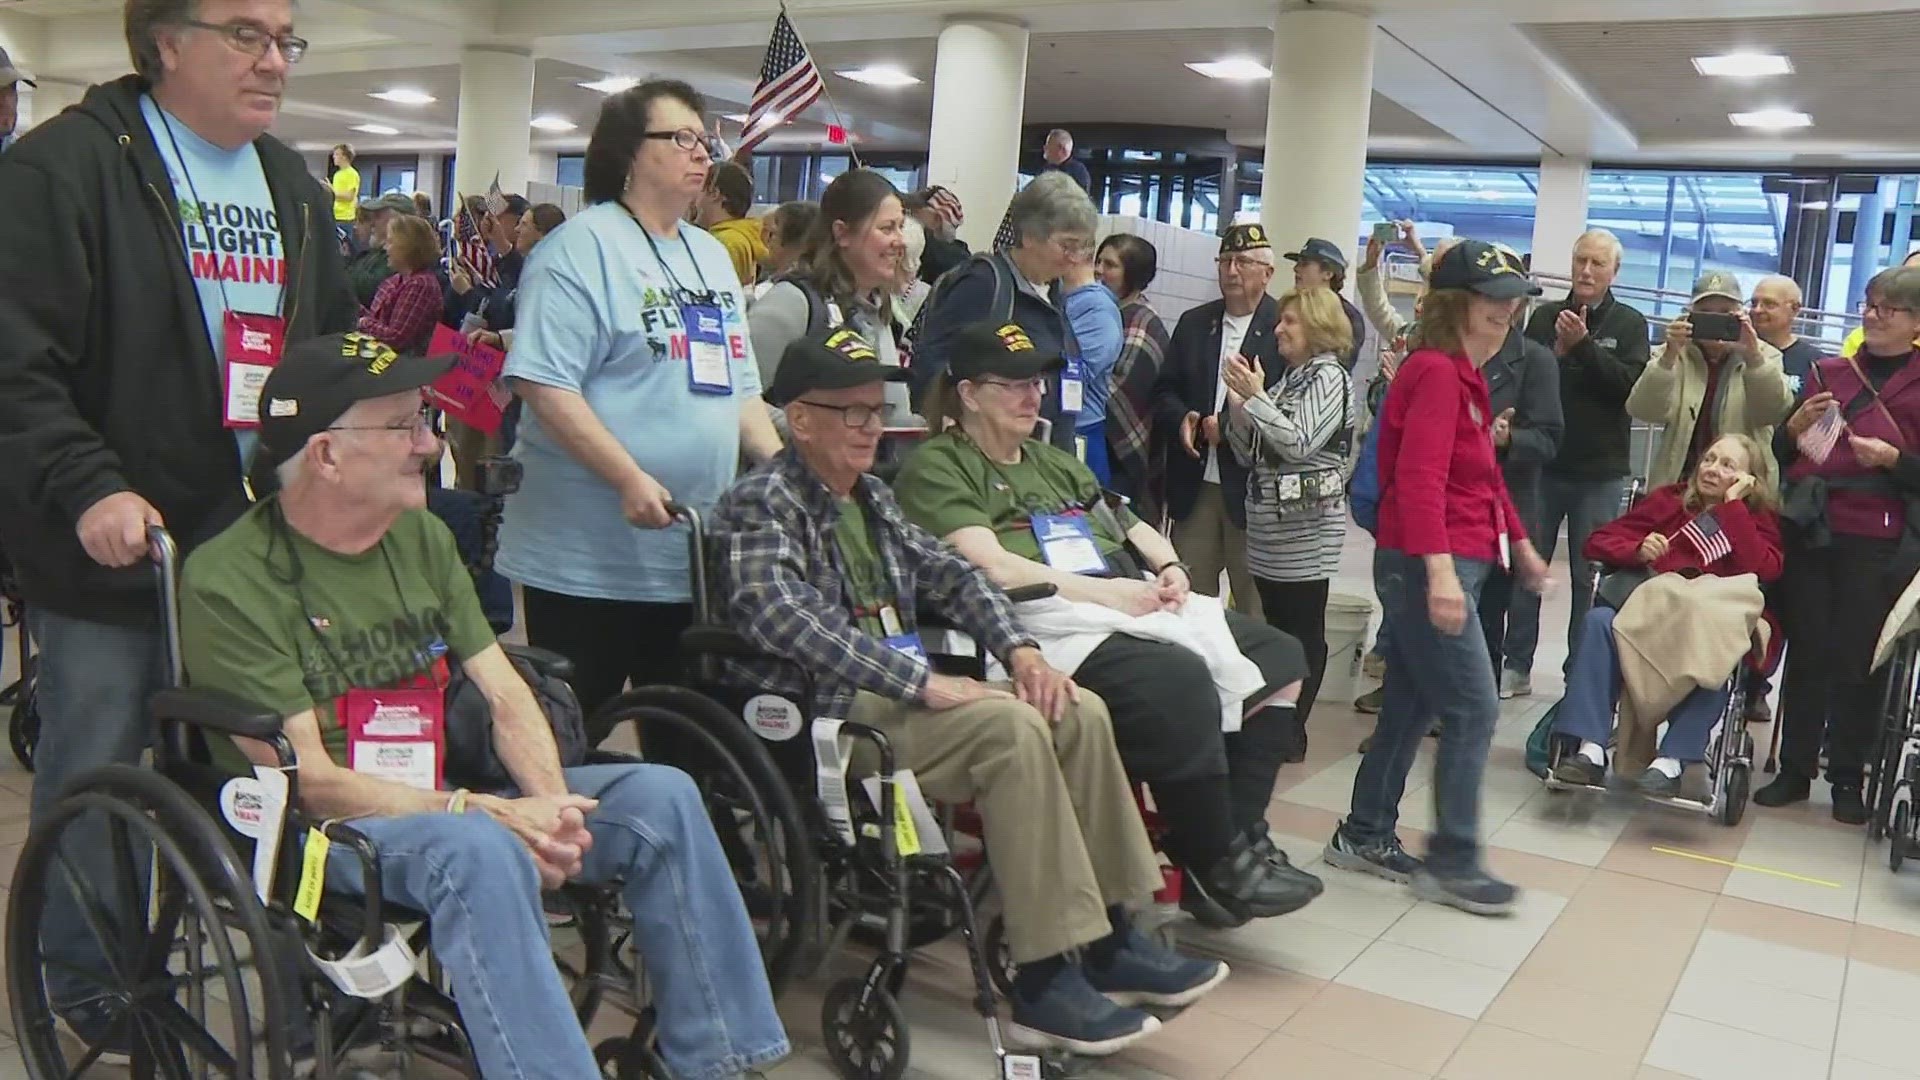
708, 371
897, 637
250, 348
400, 734
1066, 543
1073, 386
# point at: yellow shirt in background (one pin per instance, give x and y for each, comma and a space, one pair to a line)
1851, 347
346, 194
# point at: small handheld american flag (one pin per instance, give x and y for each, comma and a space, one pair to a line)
789, 82
1818, 441
496, 199
1707, 537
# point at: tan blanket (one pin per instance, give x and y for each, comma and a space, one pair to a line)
1675, 635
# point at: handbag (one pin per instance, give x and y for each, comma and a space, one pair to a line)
472, 760
1617, 585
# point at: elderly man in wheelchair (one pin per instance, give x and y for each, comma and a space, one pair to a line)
339, 603
820, 573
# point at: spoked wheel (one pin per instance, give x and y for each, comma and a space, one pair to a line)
130, 908
865, 1041
1899, 836
1733, 796
23, 715
752, 807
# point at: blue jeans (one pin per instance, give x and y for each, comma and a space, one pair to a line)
94, 681
1593, 688
1430, 675
1584, 505
478, 884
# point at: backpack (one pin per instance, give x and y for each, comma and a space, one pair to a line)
472, 759
1003, 290
1363, 490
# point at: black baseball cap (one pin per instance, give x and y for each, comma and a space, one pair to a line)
1325, 251
836, 359
1487, 269
319, 379
999, 349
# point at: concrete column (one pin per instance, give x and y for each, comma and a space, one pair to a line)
1560, 215
1318, 108
428, 180
39, 104
496, 110
979, 94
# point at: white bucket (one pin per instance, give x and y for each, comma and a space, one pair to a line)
1347, 619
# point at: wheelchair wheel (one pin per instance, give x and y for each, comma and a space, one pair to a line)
1733, 794
1000, 966
753, 810
1898, 836
23, 718
865, 1040
173, 926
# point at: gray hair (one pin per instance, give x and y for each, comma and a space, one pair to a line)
1053, 203
1602, 236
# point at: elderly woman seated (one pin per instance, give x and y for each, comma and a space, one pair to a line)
1201, 698
1722, 522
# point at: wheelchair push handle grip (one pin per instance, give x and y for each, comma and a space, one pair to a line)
166, 567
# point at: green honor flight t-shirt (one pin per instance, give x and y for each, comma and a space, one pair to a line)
369, 621
948, 484
866, 572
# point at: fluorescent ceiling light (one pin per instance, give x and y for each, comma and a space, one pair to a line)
405, 96
1743, 65
1771, 119
612, 84
376, 129
553, 123
879, 75
736, 117
1242, 70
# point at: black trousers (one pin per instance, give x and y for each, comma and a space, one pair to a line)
1299, 609
611, 643
1833, 601
1496, 596
1209, 786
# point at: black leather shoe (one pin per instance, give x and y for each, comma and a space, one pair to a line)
1786, 789
1245, 885
1848, 807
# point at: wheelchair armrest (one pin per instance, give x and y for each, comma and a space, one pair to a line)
216, 710
1032, 592
712, 640
547, 663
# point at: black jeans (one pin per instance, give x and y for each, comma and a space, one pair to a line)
610, 642
1208, 785
1496, 597
1833, 601
1299, 609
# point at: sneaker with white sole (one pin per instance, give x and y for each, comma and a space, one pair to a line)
1383, 859
1515, 684
1476, 892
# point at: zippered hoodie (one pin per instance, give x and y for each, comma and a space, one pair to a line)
108, 382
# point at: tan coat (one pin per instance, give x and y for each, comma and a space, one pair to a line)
1754, 397
1677, 634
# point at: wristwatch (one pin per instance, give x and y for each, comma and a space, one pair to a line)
1168, 566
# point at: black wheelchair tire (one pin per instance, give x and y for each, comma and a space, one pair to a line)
1734, 791
853, 1035
1000, 966
690, 725
1899, 836
23, 718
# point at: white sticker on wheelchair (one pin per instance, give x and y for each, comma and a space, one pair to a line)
256, 807
1020, 1067
933, 840
831, 758
376, 974
772, 717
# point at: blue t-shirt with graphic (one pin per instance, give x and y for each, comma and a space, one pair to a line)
228, 225
597, 313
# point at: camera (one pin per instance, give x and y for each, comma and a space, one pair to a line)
1714, 326
500, 476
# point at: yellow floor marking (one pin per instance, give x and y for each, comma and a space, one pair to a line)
1696, 856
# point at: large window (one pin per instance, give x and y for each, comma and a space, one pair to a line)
1675, 226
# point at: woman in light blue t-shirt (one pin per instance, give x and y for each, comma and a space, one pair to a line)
632, 354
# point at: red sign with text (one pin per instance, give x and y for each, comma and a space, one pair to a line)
471, 391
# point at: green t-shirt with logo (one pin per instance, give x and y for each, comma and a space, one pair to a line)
288, 640
866, 573
948, 484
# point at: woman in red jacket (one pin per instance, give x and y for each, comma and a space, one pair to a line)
1729, 505
1445, 521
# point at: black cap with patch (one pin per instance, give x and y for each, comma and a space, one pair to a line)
319, 379
1001, 350
1249, 237
1488, 269
836, 359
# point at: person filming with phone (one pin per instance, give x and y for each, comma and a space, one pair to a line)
1713, 376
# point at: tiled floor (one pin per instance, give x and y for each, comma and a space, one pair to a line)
1782, 949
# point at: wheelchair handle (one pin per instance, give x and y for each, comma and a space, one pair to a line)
696, 558
166, 567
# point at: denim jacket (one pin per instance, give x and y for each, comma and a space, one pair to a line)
781, 585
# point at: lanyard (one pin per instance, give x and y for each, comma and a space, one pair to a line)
297, 574
875, 537
199, 205
706, 293
1066, 503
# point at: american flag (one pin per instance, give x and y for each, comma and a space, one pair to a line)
1818, 441
788, 84
472, 249
1707, 538
496, 199
1003, 237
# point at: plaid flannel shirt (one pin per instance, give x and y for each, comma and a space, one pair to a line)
780, 583
405, 310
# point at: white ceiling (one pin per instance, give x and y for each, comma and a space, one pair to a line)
1453, 78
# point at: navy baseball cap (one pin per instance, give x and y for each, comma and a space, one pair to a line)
1488, 269
1325, 251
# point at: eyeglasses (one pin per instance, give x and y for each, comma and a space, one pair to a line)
689, 140
857, 416
1035, 385
1885, 308
1073, 247
250, 39
1242, 262
421, 421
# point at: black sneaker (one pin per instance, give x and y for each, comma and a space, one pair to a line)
1577, 768
1476, 893
96, 1024
1248, 884
1386, 858
1069, 1014
1142, 972
1848, 807
1786, 789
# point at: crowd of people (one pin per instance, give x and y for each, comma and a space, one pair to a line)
881, 421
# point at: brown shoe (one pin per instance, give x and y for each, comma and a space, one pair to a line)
1370, 701
1758, 712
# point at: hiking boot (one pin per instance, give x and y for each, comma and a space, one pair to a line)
1143, 972
1069, 1014
1476, 892
1384, 858
1786, 789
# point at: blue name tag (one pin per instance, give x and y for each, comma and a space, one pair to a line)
1066, 543
708, 370
1073, 386
908, 644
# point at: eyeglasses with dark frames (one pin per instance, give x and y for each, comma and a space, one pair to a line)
857, 416
689, 139
413, 425
252, 40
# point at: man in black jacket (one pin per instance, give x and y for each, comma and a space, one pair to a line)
1603, 346
170, 251
1523, 390
1206, 484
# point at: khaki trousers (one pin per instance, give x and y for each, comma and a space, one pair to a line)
1209, 542
469, 445
1063, 833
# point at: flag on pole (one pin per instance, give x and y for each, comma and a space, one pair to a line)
1818, 441
1708, 538
496, 199
789, 82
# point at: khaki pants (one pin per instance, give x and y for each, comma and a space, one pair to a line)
1063, 833
469, 445
1209, 542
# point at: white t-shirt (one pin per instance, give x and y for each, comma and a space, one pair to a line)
1233, 331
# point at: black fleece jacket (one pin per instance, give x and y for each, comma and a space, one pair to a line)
1595, 378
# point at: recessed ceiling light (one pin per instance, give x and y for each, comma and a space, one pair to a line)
1240, 69
553, 123
879, 75
1771, 119
405, 96
612, 84
736, 117
1743, 65
376, 129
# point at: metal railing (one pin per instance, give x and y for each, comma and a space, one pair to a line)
1826, 329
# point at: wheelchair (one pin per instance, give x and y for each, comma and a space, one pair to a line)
18, 698
225, 953
1896, 771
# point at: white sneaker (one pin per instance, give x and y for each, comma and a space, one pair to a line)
1515, 684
